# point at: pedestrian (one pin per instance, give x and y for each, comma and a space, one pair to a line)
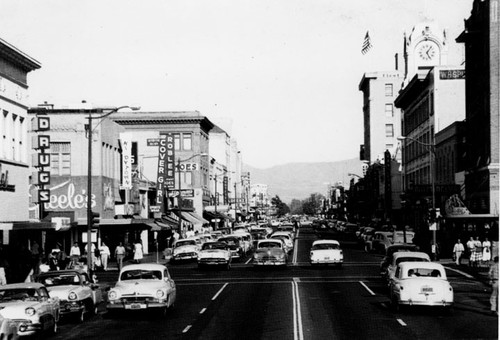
458, 250
175, 236
74, 255
493, 275
138, 252
3, 268
486, 251
470, 250
478, 252
120, 255
53, 264
36, 257
105, 254
62, 258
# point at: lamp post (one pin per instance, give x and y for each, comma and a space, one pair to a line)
89, 174
179, 198
431, 147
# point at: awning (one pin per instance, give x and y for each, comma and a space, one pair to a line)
198, 217
191, 219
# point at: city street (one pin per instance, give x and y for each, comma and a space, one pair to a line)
298, 302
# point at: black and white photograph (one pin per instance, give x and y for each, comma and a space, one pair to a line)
249, 169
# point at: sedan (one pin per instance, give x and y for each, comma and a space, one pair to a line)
214, 254
326, 252
420, 284
30, 307
186, 249
270, 252
143, 286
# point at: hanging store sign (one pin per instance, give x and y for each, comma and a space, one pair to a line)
126, 161
41, 159
451, 74
166, 162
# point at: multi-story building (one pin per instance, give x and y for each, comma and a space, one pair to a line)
382, 120
14, 148
481, 38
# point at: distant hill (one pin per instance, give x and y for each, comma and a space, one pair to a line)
300, 180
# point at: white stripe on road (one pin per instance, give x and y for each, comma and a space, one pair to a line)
203, 310
220, 291
297, 314
460, 272
366, 287
401, 322
296, 246
250, 259
186, 329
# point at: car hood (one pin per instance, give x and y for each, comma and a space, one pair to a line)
211, 253
62, 291
269, 252
186, 249
16, 309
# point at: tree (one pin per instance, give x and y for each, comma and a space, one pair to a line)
296, 207
281, 208
312, 205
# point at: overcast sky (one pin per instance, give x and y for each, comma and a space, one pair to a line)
281, 76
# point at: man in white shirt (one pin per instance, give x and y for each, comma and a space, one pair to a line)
75, 254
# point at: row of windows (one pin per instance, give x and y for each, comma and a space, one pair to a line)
12, 127
183, 141
414, 149
421, 113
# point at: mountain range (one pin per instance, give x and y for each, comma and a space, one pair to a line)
300, 180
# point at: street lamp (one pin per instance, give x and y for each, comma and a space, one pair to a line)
431, 147
179, 161
89, 174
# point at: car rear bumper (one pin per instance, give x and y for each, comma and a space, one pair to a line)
426, 303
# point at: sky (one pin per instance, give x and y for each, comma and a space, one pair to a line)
280, 76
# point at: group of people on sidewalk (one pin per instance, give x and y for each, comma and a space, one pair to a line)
479, 253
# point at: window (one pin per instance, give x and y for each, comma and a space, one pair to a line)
187, 177
177, 141
389, 130
389, 110
388, 90
60, 158
186, 141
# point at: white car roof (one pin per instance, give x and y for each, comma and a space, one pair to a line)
420, 254
281, 233
144, 266
270, 240
326, 242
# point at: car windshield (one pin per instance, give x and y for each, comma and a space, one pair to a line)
411, 259
140, 274
185, 243
325, 246
399, 237
25, 294
207, 246
60, 280
281, 237
230, 240
269, 245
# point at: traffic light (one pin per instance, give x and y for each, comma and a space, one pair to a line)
96, 218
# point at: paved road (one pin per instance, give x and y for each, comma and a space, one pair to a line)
298, 302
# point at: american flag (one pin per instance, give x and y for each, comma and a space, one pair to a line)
367, 43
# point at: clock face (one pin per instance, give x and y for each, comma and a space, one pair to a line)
427, 51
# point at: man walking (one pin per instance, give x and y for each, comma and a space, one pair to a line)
105, 254
458, 250
75, 254
120, 255
493, 275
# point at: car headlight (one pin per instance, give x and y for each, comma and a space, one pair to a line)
72, 296
30, 311
112, 295
160, 293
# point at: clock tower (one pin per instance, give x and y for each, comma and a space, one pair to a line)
424, 47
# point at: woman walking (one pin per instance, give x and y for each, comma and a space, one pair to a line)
138, 252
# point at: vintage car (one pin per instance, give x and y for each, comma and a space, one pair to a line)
30, 306
143, 286
186, 249
270, 252
326, 252
235, 244
405, 256
214, 254
247, 240
387, 260
285, 236
420, 284
8, 329
76, 292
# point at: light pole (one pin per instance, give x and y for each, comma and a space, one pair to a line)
431, 147
179, 198
89, 174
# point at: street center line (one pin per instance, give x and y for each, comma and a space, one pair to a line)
203, 310
298, 333
186, 329
220, 291
401, 322
366, 287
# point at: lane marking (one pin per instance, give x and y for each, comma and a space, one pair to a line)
220, 291
366, 287
298, 333
203, 310
250, 259
401, 322
186, 329
460, 272
295, 252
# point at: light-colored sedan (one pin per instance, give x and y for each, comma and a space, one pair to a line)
420, 284
326, 252
214, 254
143, 286
270, 252
30, 307
186, 249
76, 293
286, 237
404, 256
